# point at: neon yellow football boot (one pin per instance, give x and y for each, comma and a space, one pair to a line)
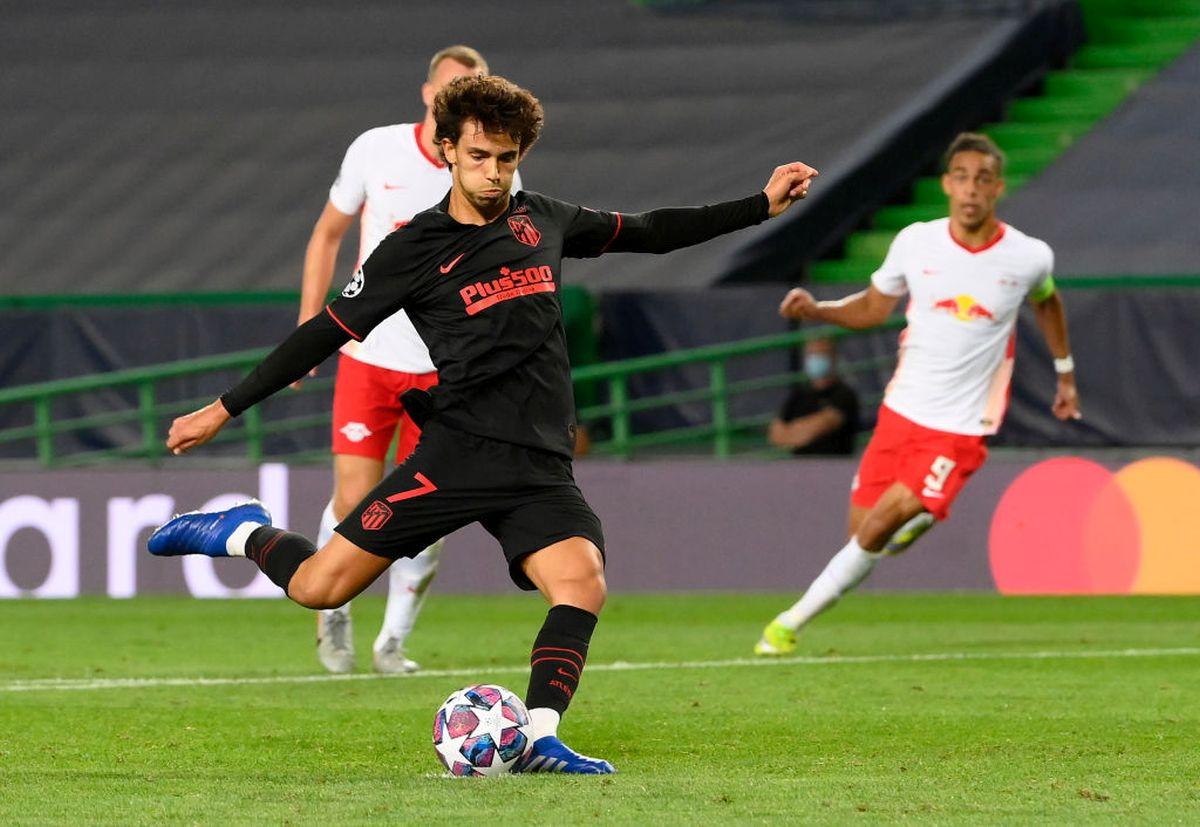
776, 640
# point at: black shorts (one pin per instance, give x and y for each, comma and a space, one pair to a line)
525, 498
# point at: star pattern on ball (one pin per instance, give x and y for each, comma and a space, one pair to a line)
479, 730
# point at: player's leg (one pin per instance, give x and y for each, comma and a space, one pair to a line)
364, 418
408, 578
353, 478
924, 471
554, 543
849, 567
855, 515
314, 578
876, 476
334, 575
570, 575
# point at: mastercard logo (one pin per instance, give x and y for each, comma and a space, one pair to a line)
1072, 526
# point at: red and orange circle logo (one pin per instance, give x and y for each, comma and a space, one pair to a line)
1071, 526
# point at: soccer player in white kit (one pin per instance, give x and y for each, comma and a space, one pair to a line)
966, 277
389, 174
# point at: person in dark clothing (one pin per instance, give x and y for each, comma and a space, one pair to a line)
478, 275
820, 415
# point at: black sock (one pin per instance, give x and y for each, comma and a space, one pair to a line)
278, 553
559, 653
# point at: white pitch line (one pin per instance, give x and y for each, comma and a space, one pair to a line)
77, 684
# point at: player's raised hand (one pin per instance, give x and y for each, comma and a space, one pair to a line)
196, 428
1066, 400
788, 184
798, 304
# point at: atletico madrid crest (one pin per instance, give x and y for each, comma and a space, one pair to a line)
524, 230
376, 515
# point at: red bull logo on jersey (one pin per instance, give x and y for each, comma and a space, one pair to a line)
964, 308
511, 284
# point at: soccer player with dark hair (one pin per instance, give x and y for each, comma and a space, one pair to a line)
478, 276
966, 277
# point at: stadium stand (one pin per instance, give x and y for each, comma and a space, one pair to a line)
1112, 205
165, 176
1127, 43
168, 148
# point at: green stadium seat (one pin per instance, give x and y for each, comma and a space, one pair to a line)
1140, 56
842, 270
899, 217
1101, 82
869, 244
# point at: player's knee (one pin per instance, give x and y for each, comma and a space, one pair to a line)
597, 589
584, 587
299, 591
879, 526
312, 594
586, 579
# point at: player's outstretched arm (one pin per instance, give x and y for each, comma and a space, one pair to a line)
672, 228
1051, 319
308, 346
864, 309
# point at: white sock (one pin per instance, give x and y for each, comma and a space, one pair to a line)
408, 583
235, 544
329, 522
543, 721
847, 569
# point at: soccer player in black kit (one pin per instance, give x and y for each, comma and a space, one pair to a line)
478, 275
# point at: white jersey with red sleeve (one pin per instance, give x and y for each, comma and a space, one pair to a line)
387, 177
956, 354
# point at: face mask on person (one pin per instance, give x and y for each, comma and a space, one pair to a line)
817, 366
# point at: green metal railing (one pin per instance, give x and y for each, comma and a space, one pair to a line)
614, 418
148, 413
723, 427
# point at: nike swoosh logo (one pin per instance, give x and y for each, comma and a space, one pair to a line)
387, 186
446, 268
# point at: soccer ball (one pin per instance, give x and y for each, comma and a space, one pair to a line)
481, 730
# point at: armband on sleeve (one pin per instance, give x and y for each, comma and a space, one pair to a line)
1043, 291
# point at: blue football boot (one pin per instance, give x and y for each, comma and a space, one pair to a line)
548, 754
204, 532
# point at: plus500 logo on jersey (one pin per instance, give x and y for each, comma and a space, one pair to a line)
511, 284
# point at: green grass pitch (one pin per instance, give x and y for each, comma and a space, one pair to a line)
932, 708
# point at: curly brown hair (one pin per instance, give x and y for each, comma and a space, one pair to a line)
498, 104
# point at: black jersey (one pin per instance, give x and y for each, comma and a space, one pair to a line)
485, 301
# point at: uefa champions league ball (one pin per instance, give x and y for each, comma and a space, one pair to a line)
481, 730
